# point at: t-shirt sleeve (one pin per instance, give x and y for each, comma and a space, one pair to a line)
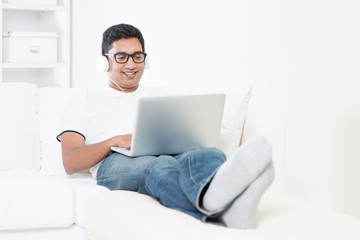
73, 118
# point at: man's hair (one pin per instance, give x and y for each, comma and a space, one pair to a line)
118, 32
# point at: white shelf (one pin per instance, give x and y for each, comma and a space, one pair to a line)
33, 65
27, 17
32, 7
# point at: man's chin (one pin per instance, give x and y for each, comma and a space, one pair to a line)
131, 86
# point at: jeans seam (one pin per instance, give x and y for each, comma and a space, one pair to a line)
190, 172
106, 179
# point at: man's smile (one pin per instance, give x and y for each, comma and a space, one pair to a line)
130, 74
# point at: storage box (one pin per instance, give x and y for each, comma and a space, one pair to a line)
29, 47
45, 2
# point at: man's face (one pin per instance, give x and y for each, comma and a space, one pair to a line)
126, 75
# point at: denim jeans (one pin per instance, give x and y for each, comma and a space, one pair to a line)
176, 181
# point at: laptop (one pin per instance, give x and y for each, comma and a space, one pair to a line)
168, 125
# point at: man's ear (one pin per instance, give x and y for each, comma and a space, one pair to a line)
102, 64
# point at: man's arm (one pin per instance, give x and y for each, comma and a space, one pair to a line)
77, 156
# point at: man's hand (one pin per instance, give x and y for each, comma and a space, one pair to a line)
123, 141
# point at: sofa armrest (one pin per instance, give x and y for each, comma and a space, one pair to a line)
273, 128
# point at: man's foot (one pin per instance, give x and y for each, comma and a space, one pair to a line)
235, 175
242, 212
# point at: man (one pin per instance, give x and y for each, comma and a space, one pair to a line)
201, 183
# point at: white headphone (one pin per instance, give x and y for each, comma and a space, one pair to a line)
102, 64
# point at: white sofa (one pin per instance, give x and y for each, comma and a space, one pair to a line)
39, 201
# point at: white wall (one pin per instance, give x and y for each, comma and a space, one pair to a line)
302, 56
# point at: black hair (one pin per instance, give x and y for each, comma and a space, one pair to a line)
118, 32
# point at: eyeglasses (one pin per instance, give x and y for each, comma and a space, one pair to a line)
120, 57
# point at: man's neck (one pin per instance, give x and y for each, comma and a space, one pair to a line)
122, 89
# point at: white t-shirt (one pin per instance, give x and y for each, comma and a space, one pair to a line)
102, 115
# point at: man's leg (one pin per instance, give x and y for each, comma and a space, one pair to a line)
236, 174
242, 212
197, 169
161, 181
119, 172
154, 176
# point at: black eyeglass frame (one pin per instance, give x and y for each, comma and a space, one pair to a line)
128, 56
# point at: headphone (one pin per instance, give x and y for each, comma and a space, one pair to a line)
102, 64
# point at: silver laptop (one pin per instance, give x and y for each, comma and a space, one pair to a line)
168, 125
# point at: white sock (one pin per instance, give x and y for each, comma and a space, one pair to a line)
247, 162
242, 212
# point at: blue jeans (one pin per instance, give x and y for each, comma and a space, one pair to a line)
176, 181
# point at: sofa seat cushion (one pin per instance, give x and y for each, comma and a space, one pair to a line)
71, 233
129, 215
84, 187
30, 200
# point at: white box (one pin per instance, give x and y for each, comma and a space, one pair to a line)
30, 47
44, 2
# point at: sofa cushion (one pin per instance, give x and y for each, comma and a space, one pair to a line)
31, 200
19, 141
129, 215
236, 104
118, 214
84, 187
51, 102
71, 233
